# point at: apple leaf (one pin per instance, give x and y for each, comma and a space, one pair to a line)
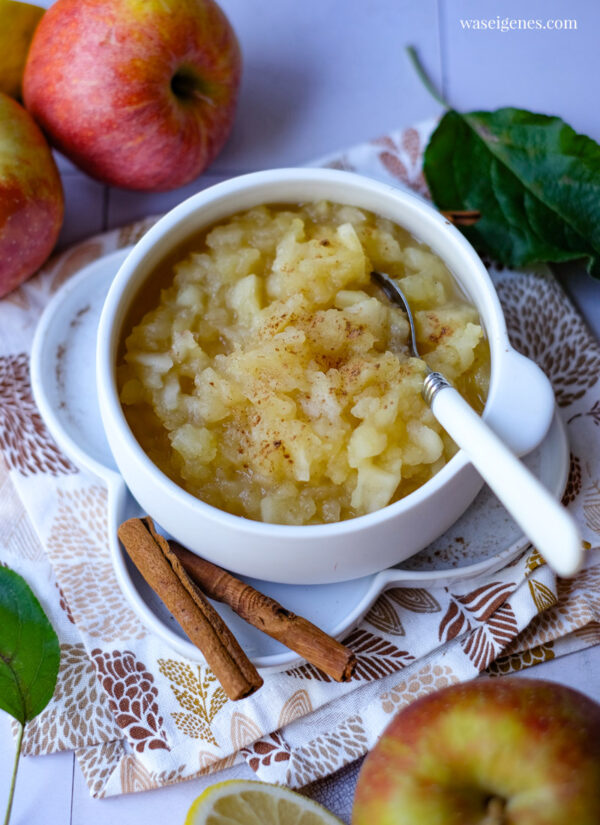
534, 180
29, 650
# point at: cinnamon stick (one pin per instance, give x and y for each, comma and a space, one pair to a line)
295, 632
462, 217
162, 569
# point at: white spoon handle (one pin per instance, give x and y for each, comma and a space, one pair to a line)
544, 521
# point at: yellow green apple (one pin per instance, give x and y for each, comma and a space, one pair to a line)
495, 752
31, 196
137, 93
18, 22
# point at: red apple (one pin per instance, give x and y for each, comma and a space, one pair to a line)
503, 751
31, 196
137, 93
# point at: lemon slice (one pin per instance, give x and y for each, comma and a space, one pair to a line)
242, 802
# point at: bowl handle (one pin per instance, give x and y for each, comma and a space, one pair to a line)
522, 408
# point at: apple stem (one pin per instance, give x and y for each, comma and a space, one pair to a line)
200, 96
494, 814
186, 86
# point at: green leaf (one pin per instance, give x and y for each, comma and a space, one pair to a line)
535, 181
29, 650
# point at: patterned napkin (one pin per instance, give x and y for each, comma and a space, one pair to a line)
140, 716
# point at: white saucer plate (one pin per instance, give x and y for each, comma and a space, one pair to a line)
63, 378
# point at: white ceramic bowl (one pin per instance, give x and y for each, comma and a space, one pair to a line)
519, 408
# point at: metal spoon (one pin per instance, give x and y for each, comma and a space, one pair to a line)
543, 520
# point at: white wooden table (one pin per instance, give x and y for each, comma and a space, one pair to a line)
318, 76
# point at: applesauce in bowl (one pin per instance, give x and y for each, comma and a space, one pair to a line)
519, 404
272, 380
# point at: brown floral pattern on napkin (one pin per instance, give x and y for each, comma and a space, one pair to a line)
139, 716
24, 439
